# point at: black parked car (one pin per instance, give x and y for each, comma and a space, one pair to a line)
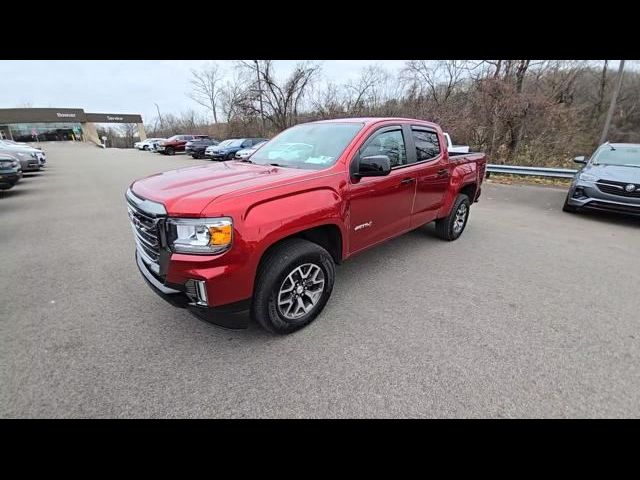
196, 147
609, 181
227, 150
10, 171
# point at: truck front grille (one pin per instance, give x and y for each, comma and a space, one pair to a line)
618, 188
146, 231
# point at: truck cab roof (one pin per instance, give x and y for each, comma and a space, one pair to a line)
374, 120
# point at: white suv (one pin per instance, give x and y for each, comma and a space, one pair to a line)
146, 144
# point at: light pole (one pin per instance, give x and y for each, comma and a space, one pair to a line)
159, 116
612, 106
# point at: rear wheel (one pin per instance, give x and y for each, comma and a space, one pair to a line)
452, 226
293, 285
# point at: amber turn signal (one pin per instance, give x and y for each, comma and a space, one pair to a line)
220, 235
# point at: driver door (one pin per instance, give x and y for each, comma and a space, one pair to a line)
380, 207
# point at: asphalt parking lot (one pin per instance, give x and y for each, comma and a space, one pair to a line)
531, 313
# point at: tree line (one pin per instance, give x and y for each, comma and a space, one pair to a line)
523, 112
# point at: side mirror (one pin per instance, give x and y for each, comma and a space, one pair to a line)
580, 159
373, 166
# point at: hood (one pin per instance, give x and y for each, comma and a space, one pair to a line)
187, 191
13, 151
616, 173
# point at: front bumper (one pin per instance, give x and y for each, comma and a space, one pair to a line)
585, 195
194, 151
218, 156
8, 180
233, 316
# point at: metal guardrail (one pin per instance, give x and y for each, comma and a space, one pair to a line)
531, 171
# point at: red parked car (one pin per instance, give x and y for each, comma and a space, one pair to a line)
265, 234
176, 143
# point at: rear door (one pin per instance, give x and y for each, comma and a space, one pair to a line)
432, 173
380, 207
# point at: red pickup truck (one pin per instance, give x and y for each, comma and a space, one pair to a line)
177, 143
265, 234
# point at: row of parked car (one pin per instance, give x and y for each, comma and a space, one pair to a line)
203, 146
16, 158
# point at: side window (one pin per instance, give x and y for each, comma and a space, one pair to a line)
427, 144
389, 143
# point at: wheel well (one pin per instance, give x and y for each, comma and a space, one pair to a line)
327, 236
470, 191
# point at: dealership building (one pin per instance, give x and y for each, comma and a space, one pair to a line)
52, 124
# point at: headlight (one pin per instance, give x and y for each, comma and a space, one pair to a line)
587, 177
201, 236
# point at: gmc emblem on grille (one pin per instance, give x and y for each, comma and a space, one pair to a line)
630, 188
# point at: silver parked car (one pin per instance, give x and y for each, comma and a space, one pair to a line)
247, 152
608, 181
31, 159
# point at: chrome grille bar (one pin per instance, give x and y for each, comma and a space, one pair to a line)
146, 229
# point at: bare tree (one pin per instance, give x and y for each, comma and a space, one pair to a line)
280, 100
128, 132
328, 102
207, 87
437, 79
518, 111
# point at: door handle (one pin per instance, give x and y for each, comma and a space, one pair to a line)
407, 180
443, 172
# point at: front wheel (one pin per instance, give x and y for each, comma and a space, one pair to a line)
452, 226
169, 151
293, 285
146, 147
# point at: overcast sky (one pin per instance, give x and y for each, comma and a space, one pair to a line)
132, 86
128, 86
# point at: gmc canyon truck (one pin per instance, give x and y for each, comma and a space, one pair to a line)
265, 234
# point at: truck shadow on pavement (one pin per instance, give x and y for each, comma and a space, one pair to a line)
373, 261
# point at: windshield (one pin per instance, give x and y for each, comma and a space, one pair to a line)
175, 137
311, 146
626, 156
226, 143
234, 143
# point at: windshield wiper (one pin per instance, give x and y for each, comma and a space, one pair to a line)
630, 165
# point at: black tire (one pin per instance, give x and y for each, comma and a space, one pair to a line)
169, 151
195, 155
275, 268
446, 228
569, 208
145, 147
